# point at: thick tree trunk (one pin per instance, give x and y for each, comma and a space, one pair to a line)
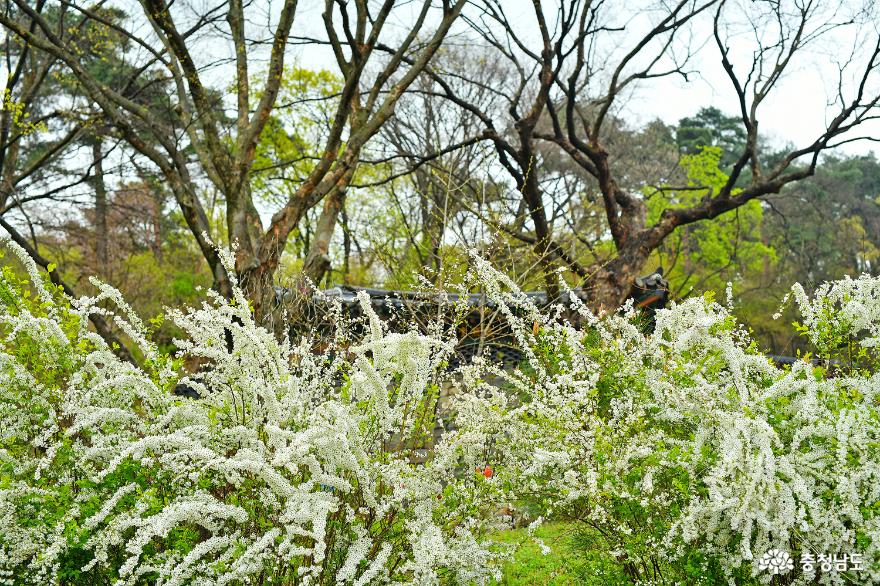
317, 262
610, 286
244, 227
612, 283
258, 285
531, 192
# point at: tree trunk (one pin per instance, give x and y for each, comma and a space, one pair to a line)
156, 223
531, 192
100, 206
611, 284
317, 262
346, 246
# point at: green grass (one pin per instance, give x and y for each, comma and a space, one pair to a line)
530, 566
570, 561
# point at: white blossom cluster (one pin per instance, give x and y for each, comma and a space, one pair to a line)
849, 307
718, 452
690, 447
293, 467
686, 447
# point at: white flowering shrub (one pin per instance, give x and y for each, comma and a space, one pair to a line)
686, 452
842, 321
704, 455
293, 468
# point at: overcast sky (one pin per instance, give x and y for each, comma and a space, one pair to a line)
796, 111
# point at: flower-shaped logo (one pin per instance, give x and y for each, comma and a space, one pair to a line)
776, 562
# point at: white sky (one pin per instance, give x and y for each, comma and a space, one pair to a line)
795, 112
